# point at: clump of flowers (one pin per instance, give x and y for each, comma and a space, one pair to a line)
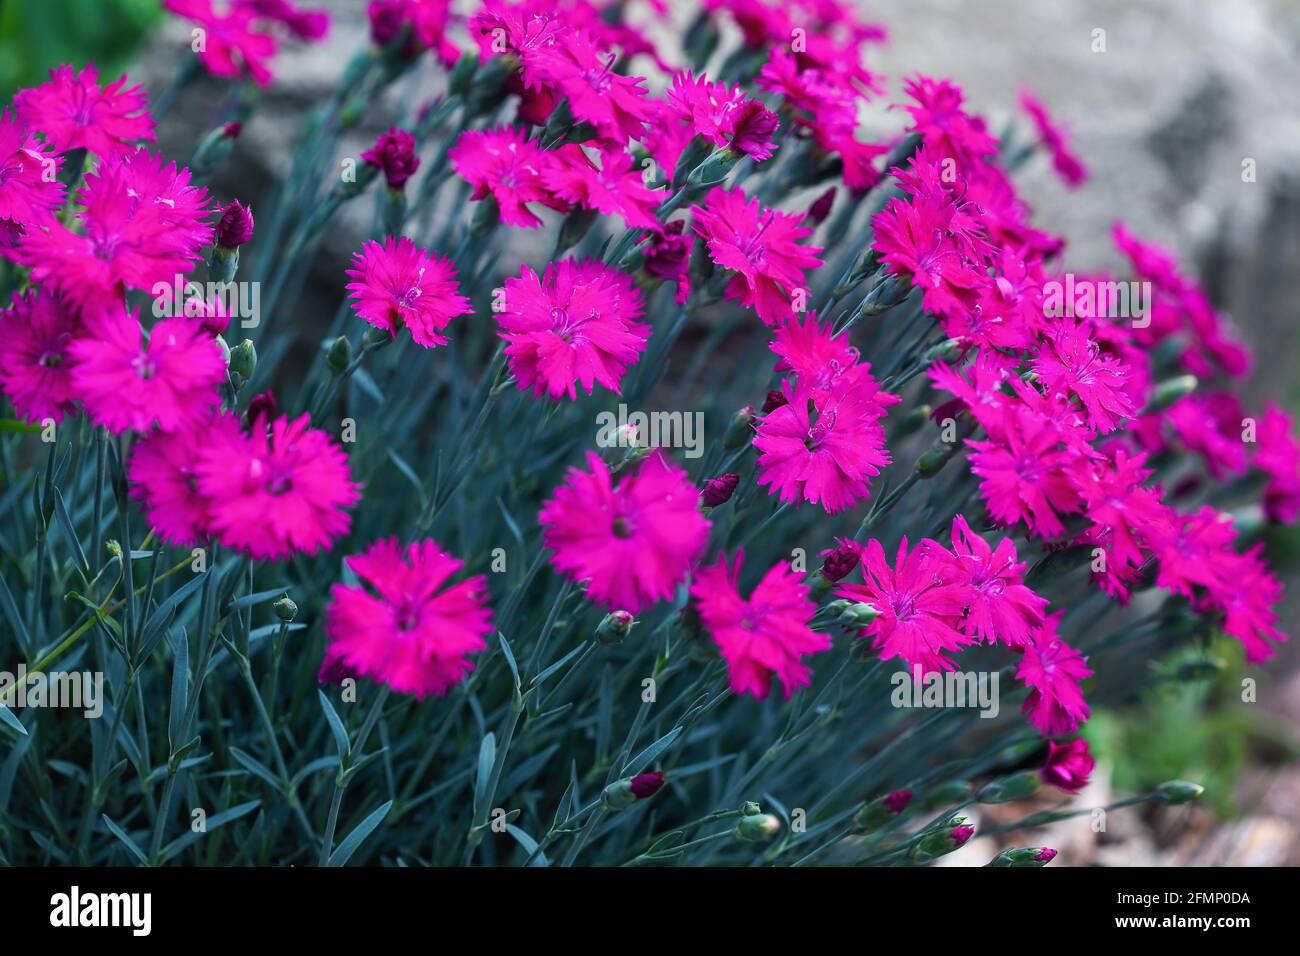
561, 554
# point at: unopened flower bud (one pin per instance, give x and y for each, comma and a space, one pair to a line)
740, 430
1010, 788
951, 836
614, 627
858, 615
261, 406
1169, 392
235, 227
243, 359
882, 809
285, 609
1174, 792
840, 561
775, 399
394, 154
645, 785
719, 490
750, 809
1026, 856
215, 147
757, 827
339, 355
821, 207
621, 794
952, 792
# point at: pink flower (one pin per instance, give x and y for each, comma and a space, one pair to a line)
231, 44
163, 471
399, 284
916, 242
1001, 607
943, 124
632, 542
29, 188
761, 246
1068, 766
280, 490
38, 330
724, 115
309, 25
1278, 456
170, 382
73, 111
921, 602
1025, 474
819, 359
578, 70
1073, 362
763, 636
1068, 166
1125, 516
1246, 595
823, 448
143, 224
1053, 671
1196, 552
410, 629
503, 163
573, 325
615, 187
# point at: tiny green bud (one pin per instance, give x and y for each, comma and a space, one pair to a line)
1170, 391
750, 809
858, 615
740, 430
615, 627
1025, 856
243, 359
1174, 792
942, 840
285, 609
758, 827
1010, 788
339, 355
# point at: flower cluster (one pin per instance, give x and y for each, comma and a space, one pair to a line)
990, 442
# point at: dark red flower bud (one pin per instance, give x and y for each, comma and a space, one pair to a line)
332, 670
394, 153
840, 560
821, 207
235, 227
1045, 855
262, 406
774, 401
960, 835
897, 801
668, 252
719, 490
646, 784
232, 129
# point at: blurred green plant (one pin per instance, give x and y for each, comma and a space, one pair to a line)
1195, 730
35, 36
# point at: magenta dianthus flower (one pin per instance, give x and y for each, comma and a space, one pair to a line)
632, 542
399, 284
73, 111
765, 635
410, 628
